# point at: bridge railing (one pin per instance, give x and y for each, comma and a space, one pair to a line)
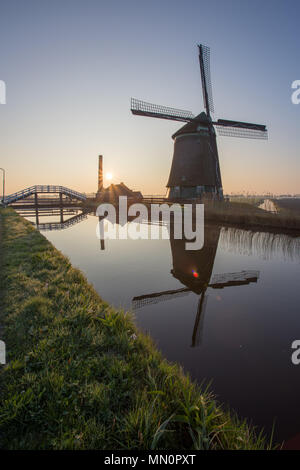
48, 226
19, 194
43, 189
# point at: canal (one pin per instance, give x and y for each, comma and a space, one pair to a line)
228, 313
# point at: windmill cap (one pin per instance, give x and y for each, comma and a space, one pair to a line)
202, 118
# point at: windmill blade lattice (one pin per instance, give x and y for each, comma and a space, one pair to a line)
163, 112
204, 57
242, 132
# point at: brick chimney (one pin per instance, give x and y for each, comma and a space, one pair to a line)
100, 174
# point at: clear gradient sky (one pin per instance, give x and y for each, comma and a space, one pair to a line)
71, 66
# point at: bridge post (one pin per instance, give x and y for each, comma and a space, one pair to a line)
101, 233
36, 215
60, 199
36, 198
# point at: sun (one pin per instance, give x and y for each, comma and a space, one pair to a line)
108, 176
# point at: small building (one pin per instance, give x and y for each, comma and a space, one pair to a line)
114, 191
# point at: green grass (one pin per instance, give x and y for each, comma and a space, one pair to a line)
80, 376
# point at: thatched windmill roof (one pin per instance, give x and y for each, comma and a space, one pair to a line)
194, 126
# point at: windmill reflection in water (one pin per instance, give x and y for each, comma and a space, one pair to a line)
194, 270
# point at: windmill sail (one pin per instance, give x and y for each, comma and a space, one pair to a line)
241, 129
204, 59
219, 281
199, 321
143, 108
156, 297
242, 133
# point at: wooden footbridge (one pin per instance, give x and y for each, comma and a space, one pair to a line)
45, 194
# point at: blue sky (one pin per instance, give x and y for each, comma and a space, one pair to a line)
71, 66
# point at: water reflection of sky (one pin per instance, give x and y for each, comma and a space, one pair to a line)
244, 333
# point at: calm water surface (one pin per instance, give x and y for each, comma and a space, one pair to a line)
227, 313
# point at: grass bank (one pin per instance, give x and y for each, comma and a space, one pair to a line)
289, 206
80, 376
249, 216
253, 200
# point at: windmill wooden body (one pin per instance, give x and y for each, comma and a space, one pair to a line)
195, 170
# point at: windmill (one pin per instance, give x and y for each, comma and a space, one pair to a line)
194, 270
195, 169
